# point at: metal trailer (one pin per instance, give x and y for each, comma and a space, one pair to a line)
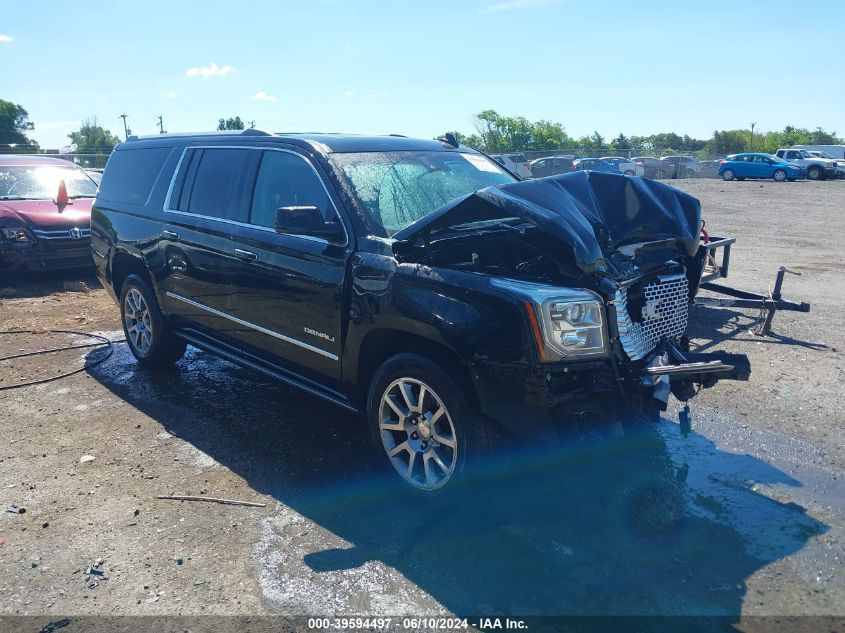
716, 266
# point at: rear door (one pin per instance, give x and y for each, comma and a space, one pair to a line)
208, 202
289, 301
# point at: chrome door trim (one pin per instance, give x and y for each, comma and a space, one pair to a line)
253, 326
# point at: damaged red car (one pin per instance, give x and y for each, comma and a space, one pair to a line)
45, 213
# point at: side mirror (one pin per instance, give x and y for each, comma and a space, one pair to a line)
62, 199
306, 220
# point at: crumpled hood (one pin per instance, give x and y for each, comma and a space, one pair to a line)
598, 216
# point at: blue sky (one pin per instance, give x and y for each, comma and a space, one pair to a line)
424, 67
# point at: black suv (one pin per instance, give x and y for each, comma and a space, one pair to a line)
416, 282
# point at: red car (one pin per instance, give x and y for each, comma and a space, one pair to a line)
45, 213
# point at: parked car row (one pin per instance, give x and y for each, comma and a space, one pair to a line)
785, 164
648, 166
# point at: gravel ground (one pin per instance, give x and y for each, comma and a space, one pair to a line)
743, 517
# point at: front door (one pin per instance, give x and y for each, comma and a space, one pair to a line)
289, 301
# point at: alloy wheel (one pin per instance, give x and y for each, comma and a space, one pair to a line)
418, 434
136, 316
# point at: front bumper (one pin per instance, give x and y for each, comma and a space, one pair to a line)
534, 401
43, 255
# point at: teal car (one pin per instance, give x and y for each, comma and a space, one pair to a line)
758, 165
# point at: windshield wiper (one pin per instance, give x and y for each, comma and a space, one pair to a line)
86, 195
14, 198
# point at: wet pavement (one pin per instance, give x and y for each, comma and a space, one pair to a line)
727, 520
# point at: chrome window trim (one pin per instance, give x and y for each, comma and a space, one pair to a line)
253, 326
311, 238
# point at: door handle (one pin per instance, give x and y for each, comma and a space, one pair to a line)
171, 235
247, 255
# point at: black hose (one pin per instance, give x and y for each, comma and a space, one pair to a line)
102, 340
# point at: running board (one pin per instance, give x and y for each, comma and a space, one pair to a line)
205, 345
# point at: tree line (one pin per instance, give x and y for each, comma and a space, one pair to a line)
496, 133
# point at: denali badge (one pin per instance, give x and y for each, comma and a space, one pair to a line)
308, 330
75, 233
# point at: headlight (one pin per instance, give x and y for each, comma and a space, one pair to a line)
566, 323
15, 235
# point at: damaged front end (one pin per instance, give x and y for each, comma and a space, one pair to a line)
603, 266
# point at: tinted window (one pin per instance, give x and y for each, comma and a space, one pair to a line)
286, 180
220, 186
130, 174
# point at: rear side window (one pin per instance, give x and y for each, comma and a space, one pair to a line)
131, 174
219, 188
286, 180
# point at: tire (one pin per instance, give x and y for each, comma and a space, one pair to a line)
429, 438
147, 336
728, 174
779, 175
628, 172
814, 173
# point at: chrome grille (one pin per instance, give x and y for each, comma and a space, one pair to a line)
62, 234
664, 314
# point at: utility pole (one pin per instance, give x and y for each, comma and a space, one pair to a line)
252, 124
160, 125
751, 143
125, 129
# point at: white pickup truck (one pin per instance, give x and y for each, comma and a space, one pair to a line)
816, 168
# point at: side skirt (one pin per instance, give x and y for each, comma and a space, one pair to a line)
217, 348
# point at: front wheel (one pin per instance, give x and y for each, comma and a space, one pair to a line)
422, 425
149, 339
779, 175
814, 173
728, 174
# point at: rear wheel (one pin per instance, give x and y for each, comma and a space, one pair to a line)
728, 174
148, 337
779, 175
814, 173
422, 425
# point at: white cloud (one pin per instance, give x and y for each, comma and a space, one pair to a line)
171, 95
348, 93
514, 5
263, 96
213, 70
6, 38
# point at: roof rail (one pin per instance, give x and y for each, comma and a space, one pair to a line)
254, 132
